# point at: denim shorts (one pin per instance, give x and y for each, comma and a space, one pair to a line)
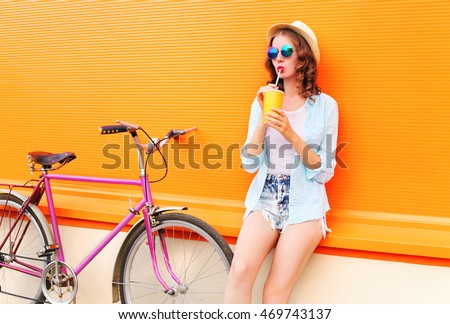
274, 201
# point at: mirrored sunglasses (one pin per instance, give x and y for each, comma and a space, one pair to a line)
286, 51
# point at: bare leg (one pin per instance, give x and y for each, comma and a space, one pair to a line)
256, 239
295, 246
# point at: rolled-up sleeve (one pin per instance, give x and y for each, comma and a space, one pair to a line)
327, 148
250, 162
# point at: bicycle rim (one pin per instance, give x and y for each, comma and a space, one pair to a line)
17, 287
198, 256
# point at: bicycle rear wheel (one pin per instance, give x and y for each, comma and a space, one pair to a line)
198, 255
18, 250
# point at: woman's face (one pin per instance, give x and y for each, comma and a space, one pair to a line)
286, 63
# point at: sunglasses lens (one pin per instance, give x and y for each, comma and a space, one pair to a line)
287, 50
272, 53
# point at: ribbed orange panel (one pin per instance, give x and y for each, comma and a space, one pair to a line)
68, 67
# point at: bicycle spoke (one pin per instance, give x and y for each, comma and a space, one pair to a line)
197, 279
193, 259
205, 263
197, 254
22, 240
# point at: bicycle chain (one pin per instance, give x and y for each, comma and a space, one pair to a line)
24, 297
23, 257
19, 296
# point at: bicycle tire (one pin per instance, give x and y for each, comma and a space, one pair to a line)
198, 254
17, 287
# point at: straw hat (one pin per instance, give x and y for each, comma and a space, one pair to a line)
301, 29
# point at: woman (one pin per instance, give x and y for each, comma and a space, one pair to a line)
293, 152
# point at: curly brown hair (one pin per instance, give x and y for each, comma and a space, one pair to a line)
306, 67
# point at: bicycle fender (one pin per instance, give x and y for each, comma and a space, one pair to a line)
35, 209
168, 208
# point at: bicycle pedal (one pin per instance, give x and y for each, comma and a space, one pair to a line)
48, 250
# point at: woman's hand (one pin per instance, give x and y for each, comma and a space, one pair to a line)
259, 94
279, 121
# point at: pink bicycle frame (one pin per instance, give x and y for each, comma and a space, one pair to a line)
143, 206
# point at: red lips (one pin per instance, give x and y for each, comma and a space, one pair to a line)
280, 69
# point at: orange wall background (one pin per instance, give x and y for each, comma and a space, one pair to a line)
68, 67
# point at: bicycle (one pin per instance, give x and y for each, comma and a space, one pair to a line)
33, 269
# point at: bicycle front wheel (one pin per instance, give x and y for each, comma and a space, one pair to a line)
21, 237
198, 256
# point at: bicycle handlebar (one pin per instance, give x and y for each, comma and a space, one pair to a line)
183, 132
171, 134
127, 127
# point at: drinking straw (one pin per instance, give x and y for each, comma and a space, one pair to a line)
278, 76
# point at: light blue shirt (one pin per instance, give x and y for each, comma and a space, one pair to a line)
307, 198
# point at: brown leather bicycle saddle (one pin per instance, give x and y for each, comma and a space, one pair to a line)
48, 159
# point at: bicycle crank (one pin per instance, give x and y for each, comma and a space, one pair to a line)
59, 283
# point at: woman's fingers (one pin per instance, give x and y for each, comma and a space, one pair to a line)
267, 87
259, 94
277, 119
274, 122
277, 114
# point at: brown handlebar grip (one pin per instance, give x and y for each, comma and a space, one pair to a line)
112, 129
